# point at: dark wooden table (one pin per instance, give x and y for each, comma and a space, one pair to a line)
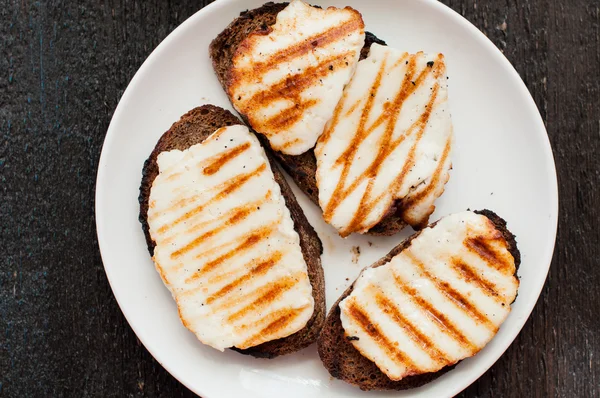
64, 66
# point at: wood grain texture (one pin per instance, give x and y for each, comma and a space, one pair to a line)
64, 66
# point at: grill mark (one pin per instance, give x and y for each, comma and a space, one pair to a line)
222, 159
411, 200
236, 216
214, 279
256, 271
480, 246
471, 276
270, 293
180, 203
364, 322
281, 320
352, 108
250, 241
291, 89
365, 208
445, 323
288, 117
297, 50
232, 217
229, 187
174, 176
387, 146
207, 253
332, 123
419, 124
368, 171
222, 276
410, 88
199, 226
290, 143
258, 291
362, 132
178, 189
402, 59
454, 296
389, 116
335, 200
421, 339
292, 86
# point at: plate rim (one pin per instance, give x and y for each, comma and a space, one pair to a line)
450, 14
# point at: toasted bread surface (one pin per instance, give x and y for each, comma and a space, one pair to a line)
345, 362
195, 126
302, 168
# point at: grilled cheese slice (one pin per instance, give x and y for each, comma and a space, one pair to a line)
440, 300
288, 80
226, 246
388, 144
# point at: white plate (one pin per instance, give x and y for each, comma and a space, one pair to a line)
502, 162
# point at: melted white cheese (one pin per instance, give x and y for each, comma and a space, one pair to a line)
288, 82
225, 242
432, 292
389, 140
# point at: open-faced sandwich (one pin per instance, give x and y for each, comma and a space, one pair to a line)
434, 300
383, 156
229, 239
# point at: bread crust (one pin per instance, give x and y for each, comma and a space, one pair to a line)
345, 362
193, 128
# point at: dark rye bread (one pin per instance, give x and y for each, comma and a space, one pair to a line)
345, 362
302, 168
193, 128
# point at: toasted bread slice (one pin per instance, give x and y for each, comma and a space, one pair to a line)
340, 352
193, 128
302, 168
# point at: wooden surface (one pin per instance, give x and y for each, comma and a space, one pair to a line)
64, 67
